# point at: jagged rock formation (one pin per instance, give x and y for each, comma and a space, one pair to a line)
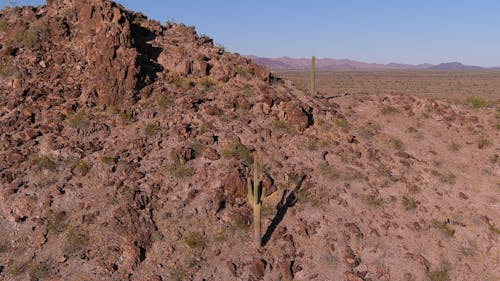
125, 146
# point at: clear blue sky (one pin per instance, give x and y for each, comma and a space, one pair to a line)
412, 31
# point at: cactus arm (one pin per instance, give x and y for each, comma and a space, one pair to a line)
313, 75
249, 191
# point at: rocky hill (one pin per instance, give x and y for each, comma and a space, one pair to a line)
126, 146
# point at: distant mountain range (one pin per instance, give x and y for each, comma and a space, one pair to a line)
287, 63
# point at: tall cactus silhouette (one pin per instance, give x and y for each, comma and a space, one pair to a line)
313, 75
255, 194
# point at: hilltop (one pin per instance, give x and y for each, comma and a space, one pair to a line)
126, 145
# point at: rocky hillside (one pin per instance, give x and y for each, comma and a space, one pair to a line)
126, 145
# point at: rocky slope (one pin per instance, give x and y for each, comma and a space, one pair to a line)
125, 148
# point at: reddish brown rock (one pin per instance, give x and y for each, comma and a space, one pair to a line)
296, 116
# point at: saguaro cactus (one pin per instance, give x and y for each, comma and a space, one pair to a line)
255, 194
313, 75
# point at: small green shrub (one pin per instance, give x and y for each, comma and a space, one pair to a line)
328, 171
197, 147
82, 167
409, 203
374, 200
44, 162
207, 83
195, 240
414, 189
494, 229
483, 142
177, 274
441, 274
448, 178
181, 82
389, 110
476, 102
20, 268
443, 226
163, 101
150, 129
40, 271
454, 146
56, 222
341, 122
239, 151
397, 144
28, 36
126, 116
282, 126
108, 160
75, 241
6, 69
179, 170
78, 119
3, 25
241, 71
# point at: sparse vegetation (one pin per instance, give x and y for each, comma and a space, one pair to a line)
454, 146
342, 123
448, 178
44, 163
388, 110
20, 268
409, 203
82, 167
150, 129
195, 240
5, 69
397, 144
126, 116
108, 159
78, 119
414, 189
3, 25
76, 241
179, 169
374, 200
282, 126
441, 274
483, 142
494, 229
163, 101
237, 150
197, 147
328, 171
477, 102
308, 197
181, 82
241, 71
28, 36
207, 83
177, 273
56, 222
443, 227
39, 271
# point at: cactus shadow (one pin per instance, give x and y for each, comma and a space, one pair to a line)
287, 201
